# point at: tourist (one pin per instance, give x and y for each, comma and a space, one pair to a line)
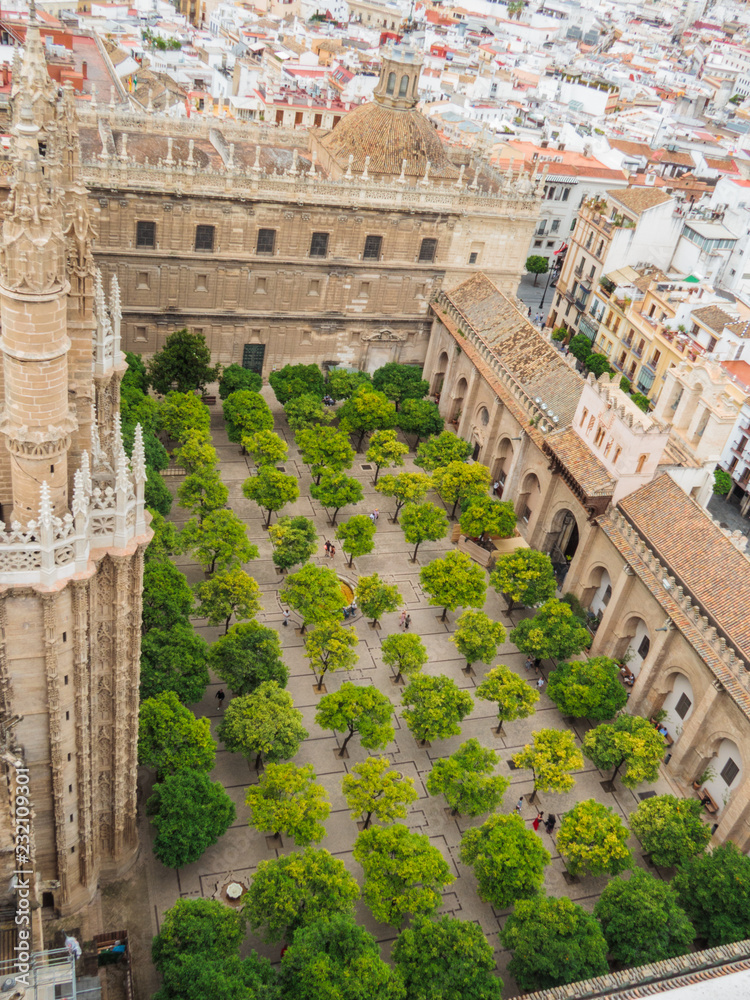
220, 698
402, 619
540, 683
537, 819
407, 623
327, 548
550, 824
519, 804
529, 663
333, 551
286, 617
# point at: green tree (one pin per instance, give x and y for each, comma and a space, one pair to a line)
641, 401
182, 413
366, 411
722, 482
631, 741
324, 449
376, 598
288, 801
554, 633
336, 958
167, 597
441, 451
536, 265
292, 381
246, 656
156, 493
204, 977
446, 959
406, 652
580, 347
598, 364
588, 689
294, 540
714, 890
671, 830
246, 413
171, 739
307, 410
515, 699
453, 581
642, 920
423, 522
200, 927
183, 364
315, 593
294, 890
218, 542
342, 384
404, 873
508, 860
420, 417
406, 487
467, 781
357, 536
189, 812
136, 376
554, 941
385, 450
233, 592
336, 490
525, 577
271, 489
354, 709
202, 492
174, 659
400, 382
593, 840
458, 482
551, 758
371, 789
196, 453
435, 707
477, 637
263, 724
265, 448
165, 542
486, 516
330, 646
235, 377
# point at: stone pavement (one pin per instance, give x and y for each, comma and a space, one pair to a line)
240, 850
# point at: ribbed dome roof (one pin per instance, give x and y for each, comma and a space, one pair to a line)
388, 137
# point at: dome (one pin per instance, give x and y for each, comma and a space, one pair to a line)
389, 136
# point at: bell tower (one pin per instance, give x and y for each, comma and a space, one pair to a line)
398, 86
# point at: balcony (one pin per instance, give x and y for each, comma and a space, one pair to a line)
638, 351
578, 272
580, 305
567, 294
627, 342
617, 365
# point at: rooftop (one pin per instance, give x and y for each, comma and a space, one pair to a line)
639, 199
713, 317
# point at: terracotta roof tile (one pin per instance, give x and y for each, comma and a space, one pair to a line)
639, 199
713, 317
586, 468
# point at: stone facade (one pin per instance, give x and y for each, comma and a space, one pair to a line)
71, 552
670, 588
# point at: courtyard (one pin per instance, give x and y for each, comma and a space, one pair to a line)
235, 857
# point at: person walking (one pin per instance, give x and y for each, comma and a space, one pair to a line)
537, 820
550, 824
496, 486
407, 623
219, 697
402, 619
540, 683
286, 617
377, 513
333, 551
519, 804
327, 548
372, 517
529, 663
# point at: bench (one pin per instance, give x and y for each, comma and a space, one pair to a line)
208, 400
710, 806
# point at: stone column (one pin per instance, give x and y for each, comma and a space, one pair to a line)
602, 644
644, 698
686, 761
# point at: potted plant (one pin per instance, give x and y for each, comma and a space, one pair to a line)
706, 775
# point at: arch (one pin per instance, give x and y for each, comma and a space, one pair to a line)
562, 541
438, 377
639, 644
458, 398
727, 770
530, 492
601, 581
483, 416
678, 703
501, 464
403, 86
391, 85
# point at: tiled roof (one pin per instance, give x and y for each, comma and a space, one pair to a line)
537, 366
577, 458
639, 199
632, 148
713, 317
697, 551
740, 328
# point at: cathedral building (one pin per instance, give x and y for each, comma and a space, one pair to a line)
73, 528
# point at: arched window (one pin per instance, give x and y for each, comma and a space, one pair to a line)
391, 83
403, 86
484, 416
641, 463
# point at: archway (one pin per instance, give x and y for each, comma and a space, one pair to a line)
530, 493
724, 772
563, 542
639, 644
458, 399
439, 377
601, 581
501, 465
678, 704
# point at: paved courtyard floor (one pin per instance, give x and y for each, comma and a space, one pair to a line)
241, 848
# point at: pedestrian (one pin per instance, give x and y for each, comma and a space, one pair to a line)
347, 612
529, 312
407, 623
220, 698
286, 617
537, 820
352, 607
496, 486
519, 804
402, 619
333, 551
540, 683
74, 948
372, 517
529, 663
327, 548
550, 824
377, 513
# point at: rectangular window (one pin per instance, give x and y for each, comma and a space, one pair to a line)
729, 772
266, 241
252, 356
319, 245
145, 234
555, 225
427, 251
204, 237
372, 249
473, 257
143, 280
683, 706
